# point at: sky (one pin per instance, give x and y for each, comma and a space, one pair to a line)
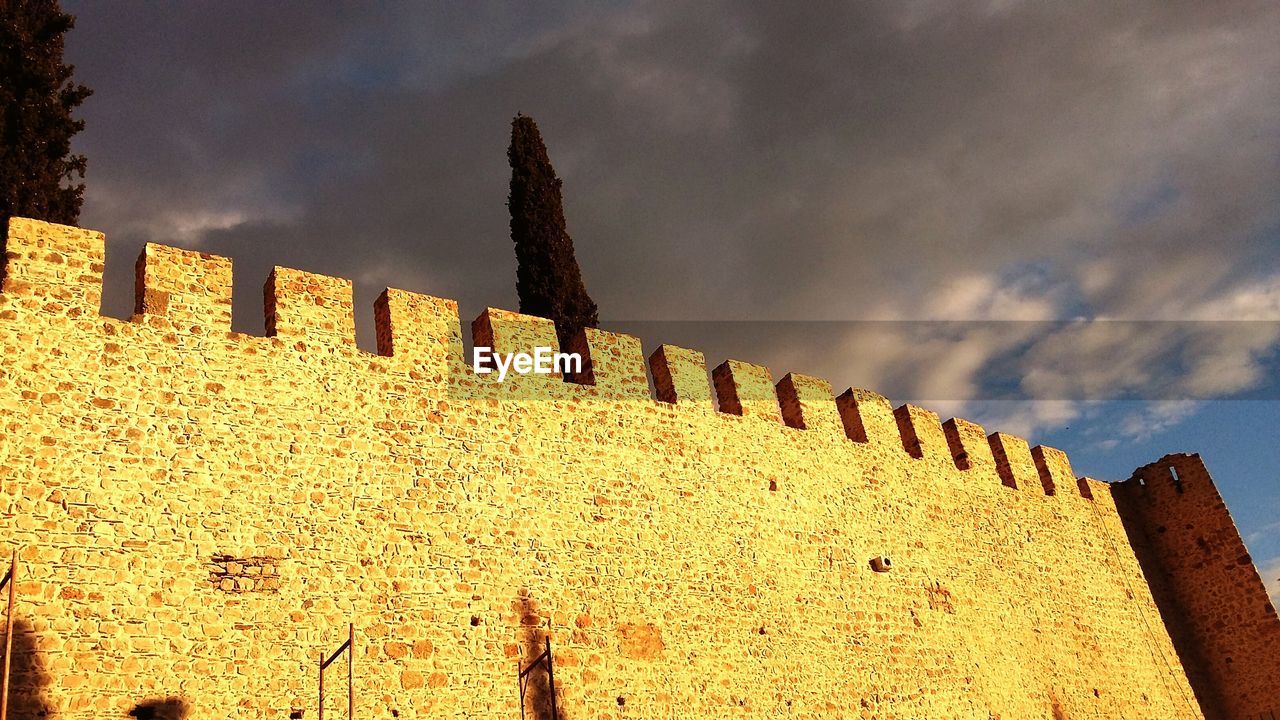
1060, 220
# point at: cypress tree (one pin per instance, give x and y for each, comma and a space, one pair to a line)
548, 279
37, 96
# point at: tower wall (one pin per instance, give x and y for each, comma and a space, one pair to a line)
1213, 602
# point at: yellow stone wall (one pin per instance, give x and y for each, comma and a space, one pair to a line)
204, 511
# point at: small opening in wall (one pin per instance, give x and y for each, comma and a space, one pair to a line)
773, 486
475, 620
295, 715
621, 701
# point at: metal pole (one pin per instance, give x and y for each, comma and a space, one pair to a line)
351, 671
551, 681
8, 638
520, 684
320, 707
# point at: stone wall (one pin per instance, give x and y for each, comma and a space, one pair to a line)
1206, 586
202, 513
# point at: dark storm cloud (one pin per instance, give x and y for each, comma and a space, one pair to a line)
897, 160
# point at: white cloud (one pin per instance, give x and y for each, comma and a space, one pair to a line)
986, 297
1157, 417
1258, 300
184, 223
1264, 531
1270, 572
1093, 360
190, 227
1027, 418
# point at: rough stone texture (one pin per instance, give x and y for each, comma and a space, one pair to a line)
244, 574
684, 561
1206, 586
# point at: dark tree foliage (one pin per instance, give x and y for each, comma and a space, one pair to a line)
37, 96
548, 279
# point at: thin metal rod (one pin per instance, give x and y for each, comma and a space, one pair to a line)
520, 684
320, 706
551, 681
336, 653
351, 671
533, 664
8, 638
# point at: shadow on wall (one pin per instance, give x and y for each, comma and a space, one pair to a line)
533, 638
28, 679
171, 708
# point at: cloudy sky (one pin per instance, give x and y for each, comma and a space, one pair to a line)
1058, 219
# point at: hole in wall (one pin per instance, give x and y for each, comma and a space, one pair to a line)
621, 701
295, 715
119, 276
467, 320
578, 344
475, 620
773, 486
362, 300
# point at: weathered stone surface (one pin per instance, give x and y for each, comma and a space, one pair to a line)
1205, 585
202, 513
